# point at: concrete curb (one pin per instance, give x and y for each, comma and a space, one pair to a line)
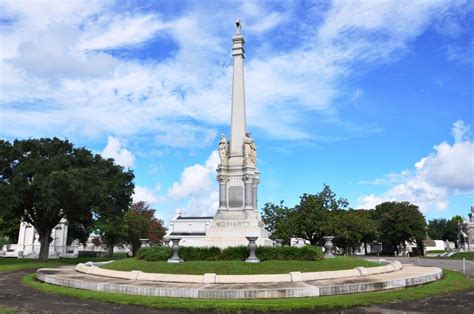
409, 276
231, 279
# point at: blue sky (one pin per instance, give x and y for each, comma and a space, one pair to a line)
374, 98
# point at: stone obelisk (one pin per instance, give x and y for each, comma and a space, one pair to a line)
237, 174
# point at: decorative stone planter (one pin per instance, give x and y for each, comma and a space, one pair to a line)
145, 242
328, 247
279, 242
252, 247
166, 241
175, 248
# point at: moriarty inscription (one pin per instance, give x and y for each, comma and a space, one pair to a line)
232, 224
236, 196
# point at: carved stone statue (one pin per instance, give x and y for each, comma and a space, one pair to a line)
253, 153
250, 150
462, 236
223, 150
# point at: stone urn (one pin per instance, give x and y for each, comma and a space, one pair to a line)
175, 248
252, 247
279, 242
166, 241
328, 247
144, 242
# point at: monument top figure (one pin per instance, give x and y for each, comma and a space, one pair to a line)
238, 27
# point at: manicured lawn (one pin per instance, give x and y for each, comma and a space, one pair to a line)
11, 264
238, 267
452, 281
461, 255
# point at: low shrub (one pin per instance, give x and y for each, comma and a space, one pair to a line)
156, 253
240, 253
189, 253
142, 252
234, 253
305, 253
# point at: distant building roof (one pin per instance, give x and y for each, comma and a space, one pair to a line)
201, 217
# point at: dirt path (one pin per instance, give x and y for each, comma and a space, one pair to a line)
13, 294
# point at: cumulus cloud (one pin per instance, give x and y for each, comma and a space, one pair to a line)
198, 187
196, 179
114, 150
61, 58
116, 31
447, 170
145, 194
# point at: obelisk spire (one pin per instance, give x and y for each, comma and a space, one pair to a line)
237, 127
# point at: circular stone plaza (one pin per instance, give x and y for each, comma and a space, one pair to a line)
390, 275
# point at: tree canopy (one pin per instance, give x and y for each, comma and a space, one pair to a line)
444, 229
311, 219
44, 180
321, 214
140, 222
400, 222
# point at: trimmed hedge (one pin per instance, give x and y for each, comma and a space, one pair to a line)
264, 253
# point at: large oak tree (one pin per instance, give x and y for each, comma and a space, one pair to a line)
45, 180
400, 222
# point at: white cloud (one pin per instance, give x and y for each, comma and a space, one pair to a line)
145, 194
449, 169
117, 31
56, 56
460, 131
197, 186
196, 179
358, 93
114, 150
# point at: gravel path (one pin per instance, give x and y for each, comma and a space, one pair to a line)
14, 295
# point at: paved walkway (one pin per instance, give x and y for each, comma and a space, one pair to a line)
452, 264
15, 295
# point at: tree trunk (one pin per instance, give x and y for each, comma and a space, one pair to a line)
365, 247
44, 246
110, 251
135, 248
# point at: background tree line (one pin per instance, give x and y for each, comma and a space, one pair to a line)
321, 214
45, 180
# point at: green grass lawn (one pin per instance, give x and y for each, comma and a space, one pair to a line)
461, 255
239, 267
11, 264
436, 251
452, 281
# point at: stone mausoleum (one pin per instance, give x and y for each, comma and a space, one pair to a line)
237, 216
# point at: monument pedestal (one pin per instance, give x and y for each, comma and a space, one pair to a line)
231, 230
